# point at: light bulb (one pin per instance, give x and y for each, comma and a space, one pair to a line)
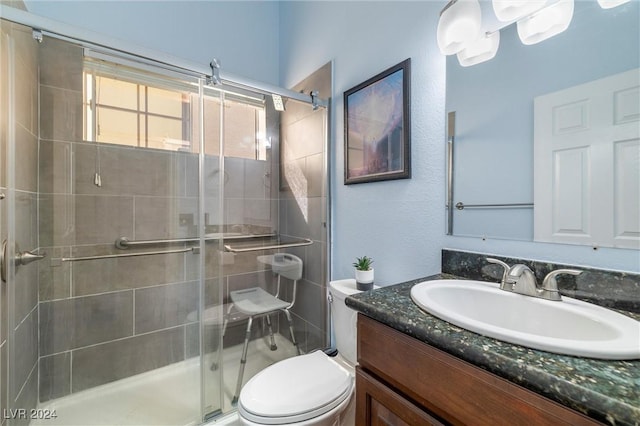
546, 23
608, 4
512, 10
458, 25
481, 50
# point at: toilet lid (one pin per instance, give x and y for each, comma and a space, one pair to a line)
295, 389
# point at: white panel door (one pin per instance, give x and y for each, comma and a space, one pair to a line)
587, 163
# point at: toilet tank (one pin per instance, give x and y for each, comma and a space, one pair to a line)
344, 318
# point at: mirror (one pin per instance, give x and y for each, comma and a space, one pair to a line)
493, 153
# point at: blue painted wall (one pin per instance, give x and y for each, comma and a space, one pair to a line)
242, 34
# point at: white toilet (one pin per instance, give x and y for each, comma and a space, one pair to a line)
311, 389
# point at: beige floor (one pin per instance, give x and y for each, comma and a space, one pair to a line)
166, 396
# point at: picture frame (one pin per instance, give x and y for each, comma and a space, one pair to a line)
377, 127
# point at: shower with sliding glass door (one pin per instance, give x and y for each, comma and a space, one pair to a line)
136, 198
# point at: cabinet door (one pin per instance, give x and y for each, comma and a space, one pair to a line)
379, 405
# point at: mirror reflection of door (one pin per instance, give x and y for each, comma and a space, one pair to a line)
587, 163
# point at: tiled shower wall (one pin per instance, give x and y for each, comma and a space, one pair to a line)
106, 319
19, 52
303, 206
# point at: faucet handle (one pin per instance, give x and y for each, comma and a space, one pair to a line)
550, 284
504, 265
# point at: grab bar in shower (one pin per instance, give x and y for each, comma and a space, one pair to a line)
461, 206
303, 242
125, 243
57, 261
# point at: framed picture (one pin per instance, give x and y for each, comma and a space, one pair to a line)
377, 127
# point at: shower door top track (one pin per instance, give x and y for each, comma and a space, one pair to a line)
143, 55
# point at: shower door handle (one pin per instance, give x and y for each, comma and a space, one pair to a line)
26, 257
22, 258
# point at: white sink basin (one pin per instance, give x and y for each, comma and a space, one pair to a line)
569, 327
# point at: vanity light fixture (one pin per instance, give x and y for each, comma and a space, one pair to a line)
546, 22
512, 10
460, 29
481, 50
608, 4
459, 24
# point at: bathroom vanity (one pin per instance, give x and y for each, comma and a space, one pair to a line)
416, 369
405, 381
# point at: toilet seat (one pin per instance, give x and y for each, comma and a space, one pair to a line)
295, 390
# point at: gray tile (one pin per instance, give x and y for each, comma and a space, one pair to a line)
310, 303
26, 347
26, 154
100, 364
159, 217
26, 277
26, 291
260, 212
166, 306
256, 179
299, 330
26, 86
72, 323
188, 172
317, 219
317, 338
55, 167
292, 178
102, 219
28, 398
60, 64
296, 217
126, 272
83, 219
26, 220
192, 340
60, 114
55, 220
126, 170
315, 263
54, 280
314, 172
211, 177
55, 376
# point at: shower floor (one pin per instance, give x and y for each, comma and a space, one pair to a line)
166, 396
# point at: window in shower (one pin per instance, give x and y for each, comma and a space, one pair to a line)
129, 108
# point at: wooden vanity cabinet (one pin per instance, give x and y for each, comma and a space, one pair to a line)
403, 381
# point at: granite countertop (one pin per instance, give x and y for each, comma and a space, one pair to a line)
608, 391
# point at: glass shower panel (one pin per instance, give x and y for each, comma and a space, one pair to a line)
268, 213
118, 208
19, 319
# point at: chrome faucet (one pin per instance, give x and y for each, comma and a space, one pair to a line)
520, 279
523, 280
